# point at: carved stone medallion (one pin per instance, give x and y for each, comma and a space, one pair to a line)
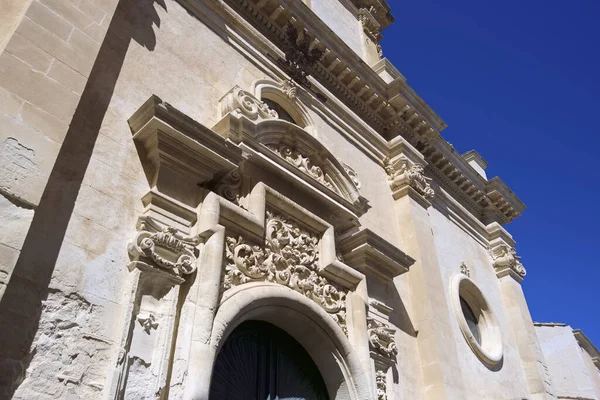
381, 339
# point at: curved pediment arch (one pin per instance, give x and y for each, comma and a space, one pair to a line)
303, 151
287, 95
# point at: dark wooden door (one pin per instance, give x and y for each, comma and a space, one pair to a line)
262, 362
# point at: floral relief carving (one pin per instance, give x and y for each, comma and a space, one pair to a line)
413, 175
290, 257
381, 338
464, 269
164, 248
240, 102
380, 380
505, 256
303, 163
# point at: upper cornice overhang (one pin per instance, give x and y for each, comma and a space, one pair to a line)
588, 346
391, 109
380, 10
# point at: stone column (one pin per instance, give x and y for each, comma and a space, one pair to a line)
412, 191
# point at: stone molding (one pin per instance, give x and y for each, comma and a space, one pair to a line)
289, 257
588, 346
374, 256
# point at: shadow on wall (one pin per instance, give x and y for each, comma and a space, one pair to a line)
21, 305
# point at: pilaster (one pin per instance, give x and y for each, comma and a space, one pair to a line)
510, 273
438, 354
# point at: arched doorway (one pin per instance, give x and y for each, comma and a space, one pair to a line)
261, 361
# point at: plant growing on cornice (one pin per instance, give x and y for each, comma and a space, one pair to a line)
299, 56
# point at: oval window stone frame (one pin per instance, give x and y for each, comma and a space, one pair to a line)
491, 349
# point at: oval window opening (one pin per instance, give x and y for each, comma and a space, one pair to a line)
472, 321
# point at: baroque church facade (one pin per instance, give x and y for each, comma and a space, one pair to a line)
243, 199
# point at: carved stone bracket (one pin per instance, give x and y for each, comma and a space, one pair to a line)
162, 248
406, 173
289, 88
381, 339
289, 257
242, 103
505, 257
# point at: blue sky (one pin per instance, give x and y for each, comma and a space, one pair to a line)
519, 82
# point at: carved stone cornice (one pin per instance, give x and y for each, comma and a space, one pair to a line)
169, 142
289, 257
588, 346
374, 256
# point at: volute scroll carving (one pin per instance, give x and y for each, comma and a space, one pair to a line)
164, 248
381, 339
241, 103
289, 257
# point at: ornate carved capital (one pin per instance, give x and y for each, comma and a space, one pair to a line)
240, 102
289, 257
405, 172
162, 248
290, 89
370, 26
381, 339
505, 257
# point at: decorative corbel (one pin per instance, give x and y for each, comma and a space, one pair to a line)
404, 173
504, 257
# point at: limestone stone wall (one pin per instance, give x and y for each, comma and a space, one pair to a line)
71, 76
572, 376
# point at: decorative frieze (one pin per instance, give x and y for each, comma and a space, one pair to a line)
412, 174
300, 55
241, 103
504, 256
163, 248
304, 164
289, 257
381, 339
